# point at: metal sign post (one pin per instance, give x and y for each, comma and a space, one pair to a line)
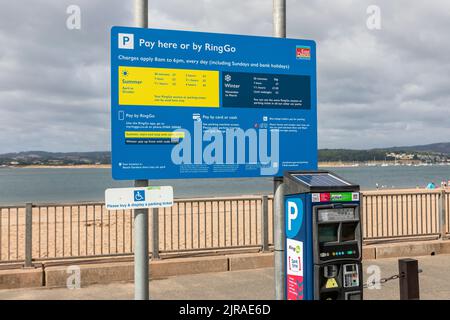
140, 198
279, 236
279, 30
141, 258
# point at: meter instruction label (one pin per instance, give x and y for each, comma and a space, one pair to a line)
335, 197
295, 265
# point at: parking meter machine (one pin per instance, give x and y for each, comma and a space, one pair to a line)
323, 237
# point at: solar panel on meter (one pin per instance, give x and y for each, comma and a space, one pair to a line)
320, 180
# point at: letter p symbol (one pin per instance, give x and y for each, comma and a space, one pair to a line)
292, 213
294, 216
126, 41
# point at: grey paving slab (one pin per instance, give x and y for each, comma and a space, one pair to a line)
248, 284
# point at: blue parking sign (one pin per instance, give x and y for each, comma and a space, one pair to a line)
207, 105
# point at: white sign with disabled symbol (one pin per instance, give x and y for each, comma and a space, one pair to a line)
138, 198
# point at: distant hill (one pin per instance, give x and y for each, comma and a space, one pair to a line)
442, 147
104, 157
348, 155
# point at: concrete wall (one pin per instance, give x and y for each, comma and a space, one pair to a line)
21, 278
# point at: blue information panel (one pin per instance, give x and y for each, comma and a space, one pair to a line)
207, 105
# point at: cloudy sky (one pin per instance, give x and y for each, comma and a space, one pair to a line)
376, 88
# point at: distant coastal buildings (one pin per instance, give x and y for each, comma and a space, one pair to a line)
422, 157
438, 153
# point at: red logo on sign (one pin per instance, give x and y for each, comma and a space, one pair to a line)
325, 197
303, 52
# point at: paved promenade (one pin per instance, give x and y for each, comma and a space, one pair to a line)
249, 284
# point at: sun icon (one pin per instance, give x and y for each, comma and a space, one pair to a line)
125, 73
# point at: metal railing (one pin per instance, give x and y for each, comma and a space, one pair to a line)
37, 232
404, 214
77, 230
213, 224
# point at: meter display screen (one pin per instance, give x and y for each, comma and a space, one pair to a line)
336, 214
328, 233
348, 231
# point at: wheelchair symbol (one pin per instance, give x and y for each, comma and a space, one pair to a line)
139, 195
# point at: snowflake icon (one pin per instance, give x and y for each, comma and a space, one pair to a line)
227, 78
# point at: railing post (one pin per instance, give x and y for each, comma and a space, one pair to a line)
361, 214
265, 224
28, 235
155, 234
442, 215
408, 270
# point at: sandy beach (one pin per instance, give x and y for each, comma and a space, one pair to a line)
78, 166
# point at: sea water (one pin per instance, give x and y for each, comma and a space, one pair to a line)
20, 185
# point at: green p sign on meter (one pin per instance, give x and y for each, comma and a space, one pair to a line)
138, 198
